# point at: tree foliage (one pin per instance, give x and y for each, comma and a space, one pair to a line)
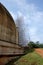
31, 44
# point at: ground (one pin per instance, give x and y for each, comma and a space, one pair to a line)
39, 51
31, 58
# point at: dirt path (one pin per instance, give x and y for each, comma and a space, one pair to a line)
39, 51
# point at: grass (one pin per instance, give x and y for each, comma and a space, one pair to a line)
31, 58
41, 48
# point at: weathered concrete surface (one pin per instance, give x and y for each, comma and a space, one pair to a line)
8, 35
7, 26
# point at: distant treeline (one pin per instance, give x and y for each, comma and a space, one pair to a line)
35, 45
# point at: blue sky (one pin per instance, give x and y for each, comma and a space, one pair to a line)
32, 13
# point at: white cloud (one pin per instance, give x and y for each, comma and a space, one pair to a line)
32, 17
33, 34
37, 16
19, 14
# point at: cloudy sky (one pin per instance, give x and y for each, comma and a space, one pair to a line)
32, 13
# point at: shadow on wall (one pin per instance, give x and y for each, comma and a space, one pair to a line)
28, 50
13, 60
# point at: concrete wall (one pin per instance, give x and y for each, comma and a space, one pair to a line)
17, 35
7, 26
8, 34
8, 48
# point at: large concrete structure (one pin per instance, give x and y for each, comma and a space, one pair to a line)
7, 26
8, 34
21, 28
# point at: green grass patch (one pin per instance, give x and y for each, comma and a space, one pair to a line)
30, 59
41, 48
